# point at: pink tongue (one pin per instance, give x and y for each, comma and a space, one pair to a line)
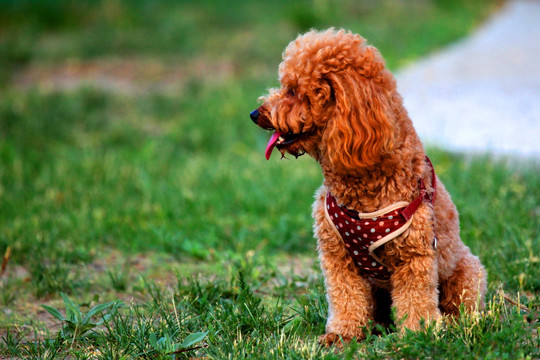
271, 144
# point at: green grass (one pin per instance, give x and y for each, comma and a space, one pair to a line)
249, 34
163, 201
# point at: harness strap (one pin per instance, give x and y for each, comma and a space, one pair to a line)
409, 211
364, 233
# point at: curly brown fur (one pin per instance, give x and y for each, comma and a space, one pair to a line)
341, 106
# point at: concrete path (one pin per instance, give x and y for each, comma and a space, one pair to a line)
482, 94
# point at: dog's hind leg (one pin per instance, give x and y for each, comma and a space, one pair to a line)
466, 286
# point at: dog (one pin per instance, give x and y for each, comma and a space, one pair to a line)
387, 230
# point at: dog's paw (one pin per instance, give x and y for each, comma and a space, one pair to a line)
332, 339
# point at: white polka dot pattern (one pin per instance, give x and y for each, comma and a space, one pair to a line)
358, 234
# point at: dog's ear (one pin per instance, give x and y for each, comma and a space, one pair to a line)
361, 129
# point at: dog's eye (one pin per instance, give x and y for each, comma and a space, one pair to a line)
290, 92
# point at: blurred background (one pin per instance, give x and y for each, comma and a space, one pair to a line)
124, 126
161, 44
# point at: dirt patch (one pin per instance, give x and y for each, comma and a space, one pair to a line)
129, 76
25, 316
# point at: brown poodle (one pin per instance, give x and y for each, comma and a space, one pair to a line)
388, 232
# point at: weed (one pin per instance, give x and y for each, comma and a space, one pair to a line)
119, 278
49, 279
76, 324
9, 292
12, 341
166, 345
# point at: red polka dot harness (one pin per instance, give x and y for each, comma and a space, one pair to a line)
363, 233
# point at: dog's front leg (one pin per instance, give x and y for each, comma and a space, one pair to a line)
415, 294
349, 295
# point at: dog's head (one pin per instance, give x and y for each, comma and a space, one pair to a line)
335, 101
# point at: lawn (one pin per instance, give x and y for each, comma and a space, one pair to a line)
140, 219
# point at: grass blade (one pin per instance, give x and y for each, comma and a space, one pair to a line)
53, 312
97, 309
193, 339
72, 310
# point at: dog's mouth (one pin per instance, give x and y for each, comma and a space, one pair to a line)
279, 140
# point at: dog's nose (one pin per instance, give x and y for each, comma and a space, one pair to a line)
254, 115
